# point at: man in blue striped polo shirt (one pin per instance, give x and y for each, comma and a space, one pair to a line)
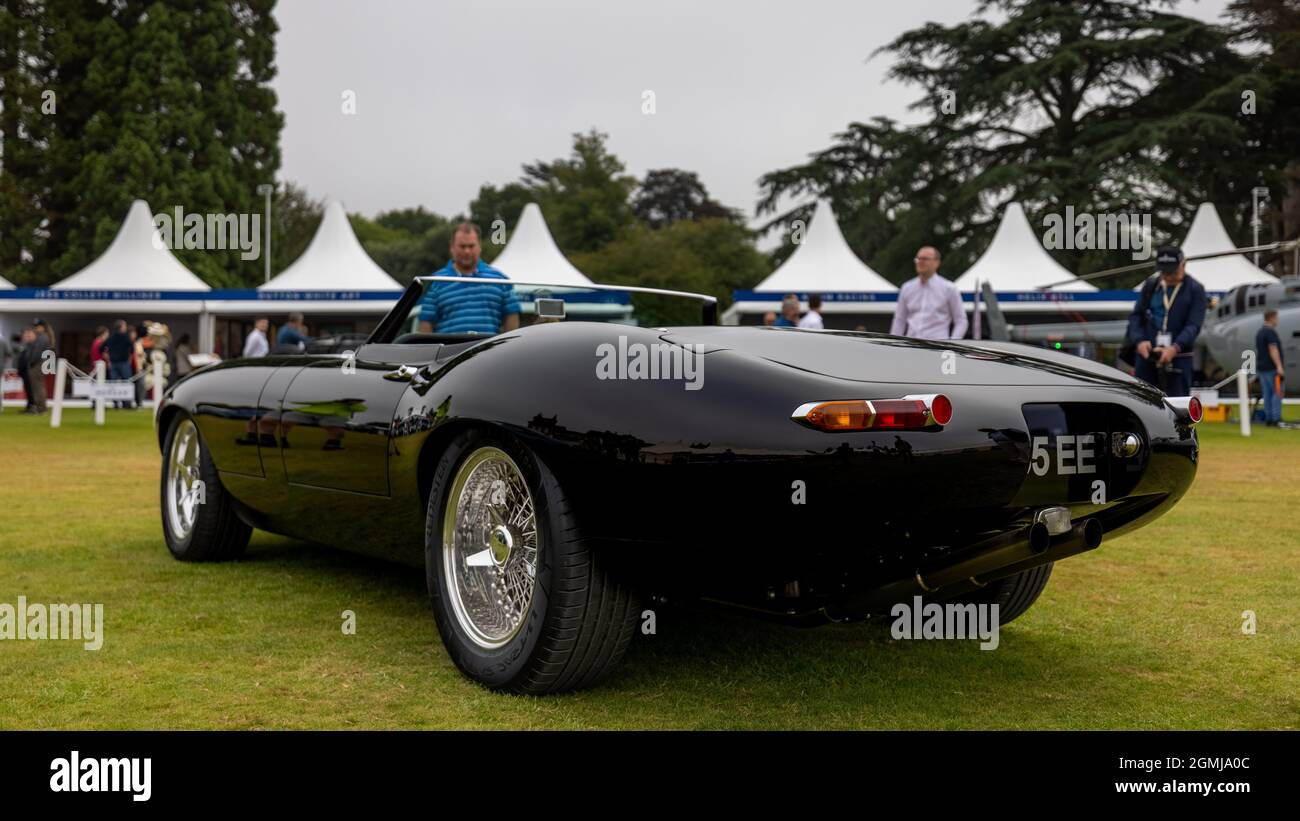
471, 307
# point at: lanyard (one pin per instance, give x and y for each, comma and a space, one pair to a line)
1168, 301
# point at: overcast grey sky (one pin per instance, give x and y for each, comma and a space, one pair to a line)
450, 96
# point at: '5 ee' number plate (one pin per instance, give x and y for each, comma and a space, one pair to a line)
1069, 455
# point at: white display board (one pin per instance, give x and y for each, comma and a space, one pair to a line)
119, 391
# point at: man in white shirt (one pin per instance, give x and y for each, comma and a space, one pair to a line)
256, 344
813, 319
929, 306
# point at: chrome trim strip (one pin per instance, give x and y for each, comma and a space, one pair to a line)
635, 289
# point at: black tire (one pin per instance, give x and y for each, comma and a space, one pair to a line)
1013, 595
578, 622
217, 533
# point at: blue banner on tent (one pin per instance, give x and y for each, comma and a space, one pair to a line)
254, 295
250, 294
1003, 296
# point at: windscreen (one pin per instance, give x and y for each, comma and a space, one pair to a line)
484, 307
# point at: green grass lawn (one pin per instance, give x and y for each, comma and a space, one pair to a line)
1143, 633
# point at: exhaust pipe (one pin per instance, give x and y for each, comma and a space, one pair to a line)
984, 557
1086, 535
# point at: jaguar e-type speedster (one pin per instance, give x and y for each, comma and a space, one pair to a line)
554, 479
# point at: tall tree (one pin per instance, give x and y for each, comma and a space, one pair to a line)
494, 208
27, 109
1271, 29
584, 196
165, 100
295, 216
711, 256
669, 195
1114, 106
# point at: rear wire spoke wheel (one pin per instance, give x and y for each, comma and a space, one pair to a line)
199, 519
522, 601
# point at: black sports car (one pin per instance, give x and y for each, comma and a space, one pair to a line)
552, 478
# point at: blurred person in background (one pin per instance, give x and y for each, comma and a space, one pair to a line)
769, 318
470, 307
97, 348
183, 351
6, 354
256, 344
25, 340
1268, 355
292, 337
139, 359
929, 306
120, 349
36, 357
789, 317
813, 319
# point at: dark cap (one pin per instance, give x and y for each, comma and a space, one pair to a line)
1168, 258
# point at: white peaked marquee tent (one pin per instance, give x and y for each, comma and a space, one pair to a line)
531, 255
1016, 260
137, 260
1206, 236
333, 261
824, 263
5, 284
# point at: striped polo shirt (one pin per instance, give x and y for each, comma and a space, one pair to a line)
455, 308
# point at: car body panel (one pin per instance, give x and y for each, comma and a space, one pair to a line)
713, 490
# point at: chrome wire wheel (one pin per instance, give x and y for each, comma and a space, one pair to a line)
184, 488
489, 547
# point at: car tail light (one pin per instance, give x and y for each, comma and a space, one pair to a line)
915, 412
1187, 408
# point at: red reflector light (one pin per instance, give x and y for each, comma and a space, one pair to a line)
1188, 409
941, 409
908, 413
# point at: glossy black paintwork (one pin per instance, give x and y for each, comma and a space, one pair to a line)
692, 489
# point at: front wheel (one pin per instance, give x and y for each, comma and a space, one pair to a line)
199, 519
520, 598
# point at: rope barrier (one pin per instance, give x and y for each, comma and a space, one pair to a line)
80, 374
1229, 379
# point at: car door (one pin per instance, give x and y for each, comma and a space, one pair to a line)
336, 417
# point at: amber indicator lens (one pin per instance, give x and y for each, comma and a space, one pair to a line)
856, 415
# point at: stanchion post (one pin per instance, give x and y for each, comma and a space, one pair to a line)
60, 380
1243, 397
157, 384
100, 367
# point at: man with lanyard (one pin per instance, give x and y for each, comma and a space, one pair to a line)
471, 307
1164, 324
